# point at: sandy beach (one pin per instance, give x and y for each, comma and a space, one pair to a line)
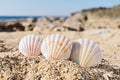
16, 66
104, 31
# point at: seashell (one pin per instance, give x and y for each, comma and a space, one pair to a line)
86, 52
56, 47
30, 45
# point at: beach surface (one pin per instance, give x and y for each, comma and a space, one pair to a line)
15, 66
103, 30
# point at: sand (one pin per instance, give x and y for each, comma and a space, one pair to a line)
15, 66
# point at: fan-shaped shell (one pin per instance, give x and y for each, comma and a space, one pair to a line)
30, 45
56, 47
86, 52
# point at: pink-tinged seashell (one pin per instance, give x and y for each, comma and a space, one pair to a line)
30, 45
86, 52
56, 47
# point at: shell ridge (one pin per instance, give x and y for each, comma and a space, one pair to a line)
32, 44
61, 39
35, 43
30, 54
77, 52
25, 46
43, 47
85, 48
80, 42
65, 49
61, 46
38, 42
45, 41
82, 47
55, 45
48, 45
68, 51
74, 50
90, 47
92, 55
93, 59
33, 47
52, 45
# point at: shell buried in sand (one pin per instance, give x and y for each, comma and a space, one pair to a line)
86, 52
30, 45
56, 47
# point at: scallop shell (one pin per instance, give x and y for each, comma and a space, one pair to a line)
30, 45
56, 47
86, 52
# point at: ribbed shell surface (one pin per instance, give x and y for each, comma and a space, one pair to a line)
30, 45
56, 47
86, 52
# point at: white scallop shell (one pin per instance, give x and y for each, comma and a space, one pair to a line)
86, 52
56, 47
30, 45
